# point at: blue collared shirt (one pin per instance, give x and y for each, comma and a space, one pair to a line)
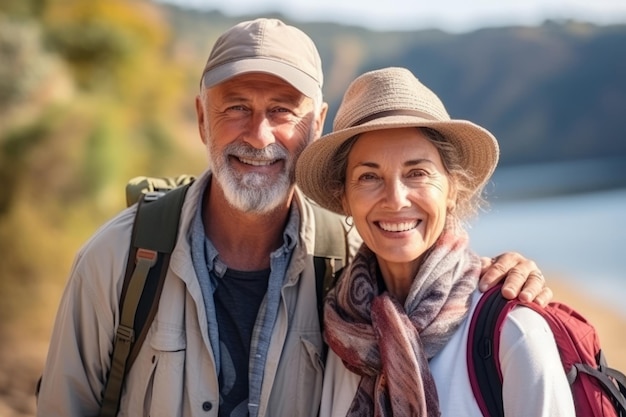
209, 268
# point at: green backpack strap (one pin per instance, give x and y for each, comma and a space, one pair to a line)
153, 238
330, 253
160, 202
152, 187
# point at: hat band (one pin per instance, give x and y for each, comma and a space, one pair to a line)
387, 113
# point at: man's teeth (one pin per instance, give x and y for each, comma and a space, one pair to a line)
255, 162
398, 227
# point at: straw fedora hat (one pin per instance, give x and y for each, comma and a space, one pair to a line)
384, 99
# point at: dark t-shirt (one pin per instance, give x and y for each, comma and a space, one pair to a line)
237, 299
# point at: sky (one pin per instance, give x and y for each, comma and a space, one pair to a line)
448, 15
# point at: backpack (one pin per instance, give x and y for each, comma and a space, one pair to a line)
597, 389
152, 241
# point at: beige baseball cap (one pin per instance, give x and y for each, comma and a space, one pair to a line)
268, 46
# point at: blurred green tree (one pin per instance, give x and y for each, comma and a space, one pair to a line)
90, 95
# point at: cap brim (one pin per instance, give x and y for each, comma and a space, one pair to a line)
298, 79
478, 149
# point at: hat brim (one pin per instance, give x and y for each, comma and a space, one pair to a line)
478, 148
298, 79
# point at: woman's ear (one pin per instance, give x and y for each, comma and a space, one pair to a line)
452, 196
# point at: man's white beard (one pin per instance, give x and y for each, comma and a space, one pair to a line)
254, 192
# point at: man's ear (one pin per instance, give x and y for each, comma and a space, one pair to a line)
320, 119
201, 118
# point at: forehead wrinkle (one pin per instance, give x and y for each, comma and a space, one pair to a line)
278, 90
409, 163
413, 162
368, 164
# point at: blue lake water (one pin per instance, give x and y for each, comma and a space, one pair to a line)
581, 237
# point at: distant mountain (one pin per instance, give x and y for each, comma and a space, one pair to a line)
551, 93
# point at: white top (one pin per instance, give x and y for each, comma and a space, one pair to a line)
534, 381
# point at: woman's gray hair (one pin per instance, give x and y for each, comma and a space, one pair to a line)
338, 167
469, 200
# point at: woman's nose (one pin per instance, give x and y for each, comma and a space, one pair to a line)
396, 195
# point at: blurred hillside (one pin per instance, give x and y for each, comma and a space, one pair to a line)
95, 92
549, 93
553, 95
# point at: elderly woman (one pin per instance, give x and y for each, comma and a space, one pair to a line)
397, 321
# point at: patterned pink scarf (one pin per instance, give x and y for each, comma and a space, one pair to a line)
388, 344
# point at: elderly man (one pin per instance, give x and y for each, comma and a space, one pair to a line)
237, 331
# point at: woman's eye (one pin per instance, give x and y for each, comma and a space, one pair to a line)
417, 173
367, 177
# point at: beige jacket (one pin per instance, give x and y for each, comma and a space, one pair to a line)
174, 373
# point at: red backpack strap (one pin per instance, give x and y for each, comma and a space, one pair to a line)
483, 345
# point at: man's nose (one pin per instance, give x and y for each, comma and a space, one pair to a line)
260, 133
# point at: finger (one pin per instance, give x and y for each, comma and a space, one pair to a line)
514, 281
511, 260
532, 287
524, 280
491, 276
485, 263
535, 290
501, 266
544, 297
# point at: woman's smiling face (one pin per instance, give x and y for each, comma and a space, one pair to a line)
397, 190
